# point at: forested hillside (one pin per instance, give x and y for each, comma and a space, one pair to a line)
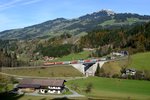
77, 26
8, 59
135, 39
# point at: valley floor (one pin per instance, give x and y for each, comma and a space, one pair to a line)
109, 88
101, 88
44, 71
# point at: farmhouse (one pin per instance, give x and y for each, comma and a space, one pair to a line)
121, 53
53, 86
129, 71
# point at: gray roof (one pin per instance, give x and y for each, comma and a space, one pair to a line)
131, 69
43, 82
28, 86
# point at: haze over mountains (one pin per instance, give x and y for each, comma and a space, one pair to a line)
78, 26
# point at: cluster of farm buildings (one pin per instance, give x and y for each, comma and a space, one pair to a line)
42, 86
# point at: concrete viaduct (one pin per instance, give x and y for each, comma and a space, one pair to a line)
89, 68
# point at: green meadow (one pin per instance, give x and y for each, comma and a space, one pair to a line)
47, 71
140, 61
109, 88
75, 56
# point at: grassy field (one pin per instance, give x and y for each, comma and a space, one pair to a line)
128, 21
103, 89
52, 71
114, 67
107, 88
75, 56
9, 87
23, 97
140, 61
109, 22
28, 97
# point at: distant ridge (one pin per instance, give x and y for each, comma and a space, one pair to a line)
77, 27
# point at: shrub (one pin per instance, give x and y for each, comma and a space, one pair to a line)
115, 76
89, 87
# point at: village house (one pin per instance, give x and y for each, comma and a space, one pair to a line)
52, 86
121, 53
46, 58
129, 71
88, 49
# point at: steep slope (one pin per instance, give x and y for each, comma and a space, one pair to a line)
140, 61
78, 26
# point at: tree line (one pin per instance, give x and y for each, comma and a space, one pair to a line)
135, 39
8, 59
58, 50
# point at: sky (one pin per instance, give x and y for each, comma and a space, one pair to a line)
22, 13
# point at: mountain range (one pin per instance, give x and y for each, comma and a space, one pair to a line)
77, 26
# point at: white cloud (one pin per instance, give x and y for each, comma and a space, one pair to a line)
9, 4
14, 3
30, 2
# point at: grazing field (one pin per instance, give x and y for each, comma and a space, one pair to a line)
75, 56
49, 71
108, 88
128, 21
140, 61
7, 87
29, 97
113, 67
22, 97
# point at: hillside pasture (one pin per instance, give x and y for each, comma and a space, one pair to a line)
116, 89
75, 56
140, 61
113, 67
48, 71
